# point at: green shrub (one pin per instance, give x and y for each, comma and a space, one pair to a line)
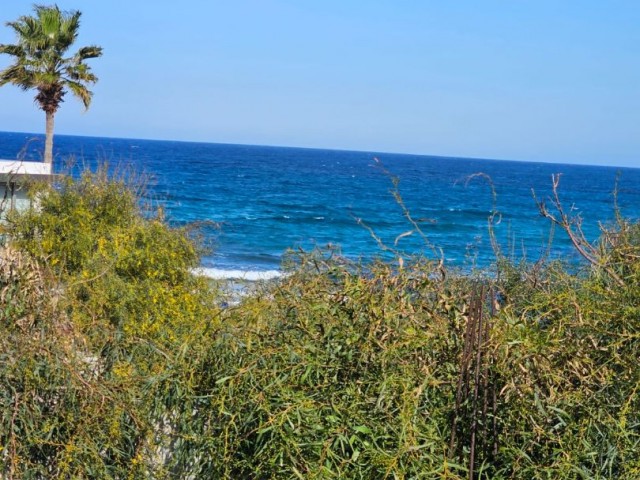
568, 352
340, 372
115, 361
114, 311
124, 275
335, 374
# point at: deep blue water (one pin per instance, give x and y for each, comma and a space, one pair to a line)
269, 199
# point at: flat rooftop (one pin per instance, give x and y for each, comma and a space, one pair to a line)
20, 169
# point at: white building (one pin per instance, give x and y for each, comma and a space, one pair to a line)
15, 178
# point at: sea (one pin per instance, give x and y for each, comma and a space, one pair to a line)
254, 205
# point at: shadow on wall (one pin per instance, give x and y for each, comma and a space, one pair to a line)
15, 178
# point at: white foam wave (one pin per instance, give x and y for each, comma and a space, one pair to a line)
250, 275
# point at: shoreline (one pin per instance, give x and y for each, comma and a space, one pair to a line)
237, 274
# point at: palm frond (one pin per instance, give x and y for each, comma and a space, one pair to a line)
69, 25
80, 72
29, 34
17, 75
80, 91
91, 51
14, 50
50, 18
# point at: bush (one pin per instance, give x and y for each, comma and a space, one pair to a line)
116, 362
114, 309
344, 372
338, 374
569, 350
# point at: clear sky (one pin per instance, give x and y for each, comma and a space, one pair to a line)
543, 80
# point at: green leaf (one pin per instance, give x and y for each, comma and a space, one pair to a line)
362, 429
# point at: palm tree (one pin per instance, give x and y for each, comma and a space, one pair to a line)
40, 62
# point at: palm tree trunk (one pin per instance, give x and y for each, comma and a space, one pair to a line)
48, 142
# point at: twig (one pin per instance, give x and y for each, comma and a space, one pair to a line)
573, 227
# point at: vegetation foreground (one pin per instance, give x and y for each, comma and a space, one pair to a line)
117, 362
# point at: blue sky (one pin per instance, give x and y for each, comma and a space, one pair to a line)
554, 81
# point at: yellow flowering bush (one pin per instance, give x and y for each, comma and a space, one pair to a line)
102, 312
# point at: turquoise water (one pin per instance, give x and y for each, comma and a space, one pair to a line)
265, 200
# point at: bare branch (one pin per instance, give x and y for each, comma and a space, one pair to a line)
573, 226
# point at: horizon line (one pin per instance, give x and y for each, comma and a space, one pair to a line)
335, 149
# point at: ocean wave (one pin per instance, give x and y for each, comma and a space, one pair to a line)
250, 275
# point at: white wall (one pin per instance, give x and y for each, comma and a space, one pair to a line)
20, 199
